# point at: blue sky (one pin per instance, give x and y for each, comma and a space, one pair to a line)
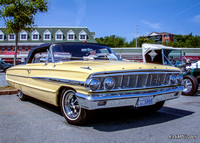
120, 17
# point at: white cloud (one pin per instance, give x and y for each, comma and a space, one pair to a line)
185, 10
152, 25
196, 18
81, 11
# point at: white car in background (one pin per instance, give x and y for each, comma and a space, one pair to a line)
194, 65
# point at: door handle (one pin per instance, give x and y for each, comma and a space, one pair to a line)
29, 71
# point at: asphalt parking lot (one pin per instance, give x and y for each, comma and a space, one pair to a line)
34, 122
3, 81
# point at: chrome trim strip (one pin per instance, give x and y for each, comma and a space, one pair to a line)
31, 86
122, 95
136, 81
58, 80
146, 79
136, 70
18, 75
126, 98
132, 73
121, 80
128, 82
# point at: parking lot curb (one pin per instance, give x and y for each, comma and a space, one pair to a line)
8, 92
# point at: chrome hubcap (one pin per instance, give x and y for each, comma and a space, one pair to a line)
71, 105
187, 85
20, 94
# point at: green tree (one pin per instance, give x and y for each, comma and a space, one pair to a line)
112, 41
19, 15
188, 41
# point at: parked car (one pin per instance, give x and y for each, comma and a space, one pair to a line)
193, 65
164, 55
80, 77
4, 66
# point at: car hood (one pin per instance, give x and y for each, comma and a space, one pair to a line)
81, 70
108, 66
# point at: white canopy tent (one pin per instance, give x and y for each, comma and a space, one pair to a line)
150, 47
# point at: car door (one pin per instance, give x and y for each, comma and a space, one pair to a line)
39, 71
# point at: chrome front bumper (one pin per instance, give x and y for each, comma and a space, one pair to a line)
120, 99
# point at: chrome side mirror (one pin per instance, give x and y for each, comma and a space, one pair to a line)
47, 58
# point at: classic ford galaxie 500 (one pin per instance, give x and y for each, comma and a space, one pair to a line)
79, 77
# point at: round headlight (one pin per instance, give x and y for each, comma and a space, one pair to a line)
172, 79
179, 78
109, 83
94, 84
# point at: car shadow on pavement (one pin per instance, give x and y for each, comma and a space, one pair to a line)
45, 105
110, 120
116, 119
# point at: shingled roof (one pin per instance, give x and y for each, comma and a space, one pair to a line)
53, 30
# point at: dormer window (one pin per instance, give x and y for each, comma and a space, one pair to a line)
35, 35
82, 35
71, 35
11, 37
23, 35
59, 35
1, 36
47, 35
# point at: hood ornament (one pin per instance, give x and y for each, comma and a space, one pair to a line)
86, 68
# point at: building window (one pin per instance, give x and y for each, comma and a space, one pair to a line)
166, 36
32, 47
1, 37
26, 48
20, 48
47, 35
8, 49
35, 35
11, 37
71, 35
23, 37
2, 48
82, 35
59, 35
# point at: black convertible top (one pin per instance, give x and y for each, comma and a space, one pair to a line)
47, 45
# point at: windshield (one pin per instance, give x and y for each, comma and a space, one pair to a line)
172, 57
67, 52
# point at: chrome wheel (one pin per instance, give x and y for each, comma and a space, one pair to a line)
187, 85
190, 85
71, 107
21, 95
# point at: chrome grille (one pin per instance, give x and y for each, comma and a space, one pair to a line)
140, 80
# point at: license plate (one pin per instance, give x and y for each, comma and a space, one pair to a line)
145, 101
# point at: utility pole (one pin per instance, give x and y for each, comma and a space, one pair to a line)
136, 30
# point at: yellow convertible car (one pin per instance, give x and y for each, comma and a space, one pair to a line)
80, 77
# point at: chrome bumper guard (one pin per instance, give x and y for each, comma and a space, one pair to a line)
120, 99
